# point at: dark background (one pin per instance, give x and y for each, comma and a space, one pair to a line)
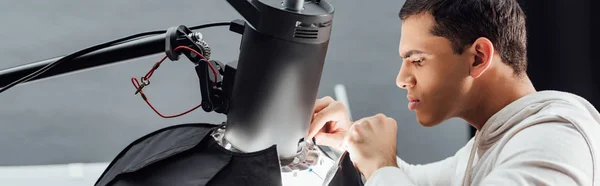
562, 41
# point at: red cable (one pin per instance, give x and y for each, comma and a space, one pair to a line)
137, 84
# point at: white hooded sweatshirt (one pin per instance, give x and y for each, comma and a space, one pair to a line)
544, 138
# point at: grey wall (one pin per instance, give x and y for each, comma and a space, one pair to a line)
91, 116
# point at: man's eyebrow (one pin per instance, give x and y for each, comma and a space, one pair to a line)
411, 52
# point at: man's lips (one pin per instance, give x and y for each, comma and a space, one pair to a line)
414, 102
412, 105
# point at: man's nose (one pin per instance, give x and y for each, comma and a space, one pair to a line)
405, 79
406, 83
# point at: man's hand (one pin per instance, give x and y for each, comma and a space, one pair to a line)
330, 123
371, 143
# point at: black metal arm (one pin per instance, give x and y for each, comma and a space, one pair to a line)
215, 89
119, 53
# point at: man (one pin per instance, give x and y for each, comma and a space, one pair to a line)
467, 59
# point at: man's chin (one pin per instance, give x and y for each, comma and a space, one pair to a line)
428, 120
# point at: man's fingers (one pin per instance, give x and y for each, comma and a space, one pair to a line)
346, 141
361, 120
349, 142
334, 112
331, 140
322, 103
393, 124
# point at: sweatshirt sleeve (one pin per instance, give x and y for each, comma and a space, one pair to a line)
543, 154
432, 174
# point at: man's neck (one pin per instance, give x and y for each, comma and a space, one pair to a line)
494, 95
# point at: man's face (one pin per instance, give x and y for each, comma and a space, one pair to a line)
434, 76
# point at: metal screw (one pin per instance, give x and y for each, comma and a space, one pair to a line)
197, 36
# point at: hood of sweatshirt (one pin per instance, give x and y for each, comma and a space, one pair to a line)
539, 108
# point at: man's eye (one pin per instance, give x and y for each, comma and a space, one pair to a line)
417, 61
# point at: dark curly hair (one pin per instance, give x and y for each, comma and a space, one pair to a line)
463, 21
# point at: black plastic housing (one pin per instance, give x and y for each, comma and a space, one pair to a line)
278, 74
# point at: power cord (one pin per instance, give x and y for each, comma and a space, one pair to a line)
98, 47
146, 81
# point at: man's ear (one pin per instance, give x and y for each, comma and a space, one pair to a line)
483, 53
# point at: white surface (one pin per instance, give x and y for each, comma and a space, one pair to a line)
78, 174
306, 178
86, 174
